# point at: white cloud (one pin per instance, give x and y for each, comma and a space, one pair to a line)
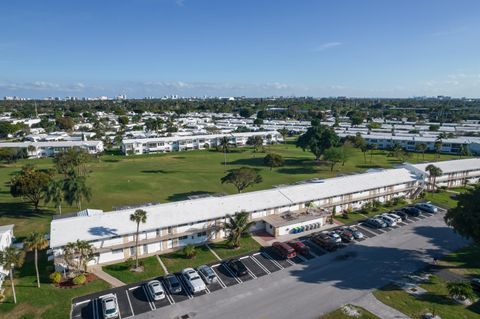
46, 86
327, 45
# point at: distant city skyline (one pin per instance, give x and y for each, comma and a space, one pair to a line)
250, 48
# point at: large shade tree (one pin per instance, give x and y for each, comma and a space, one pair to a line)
242, 178
34, 242
273, 160
30, 184
236, 226
139, 216
317, 139
465, 217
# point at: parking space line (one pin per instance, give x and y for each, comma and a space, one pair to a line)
119, 312
233, 275
302, 258
150, 302
289, 261
184, 285
130, 303
218, 277
167, 292
272, 260
260, 264
94, 307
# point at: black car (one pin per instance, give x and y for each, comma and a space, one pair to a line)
475, 282
411, 211
325, 241
173, 284
401, 214
375, 223
237, 267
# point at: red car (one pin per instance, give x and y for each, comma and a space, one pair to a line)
284, 250
299, 247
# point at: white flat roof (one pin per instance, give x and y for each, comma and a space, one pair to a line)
453, 166
117, 223
193, 137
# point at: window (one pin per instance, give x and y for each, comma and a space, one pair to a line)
183, 238
169, 230
145, 249
202, 234
117, 251
158, 232
132, 251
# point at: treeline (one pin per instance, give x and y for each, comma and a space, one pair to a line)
449, 110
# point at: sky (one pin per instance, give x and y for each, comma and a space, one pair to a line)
255, 48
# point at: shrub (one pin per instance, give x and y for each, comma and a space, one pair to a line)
189, 251
129, 263
79, 280
56, 277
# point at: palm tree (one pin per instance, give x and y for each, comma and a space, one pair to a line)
9, 259
433, 173
236, 226
139, 216
438, 147
76, 189
54, 193
34, 242
224, 146
283, 132
422, 147
85, 253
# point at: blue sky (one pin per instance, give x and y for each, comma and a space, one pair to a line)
143, 48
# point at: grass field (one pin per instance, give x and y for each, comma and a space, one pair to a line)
122, 272
177, 261
47, 302
247, 244
435, 300
120, 180
339, 314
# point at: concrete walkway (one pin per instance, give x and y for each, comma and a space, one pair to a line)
372, 304
98, 271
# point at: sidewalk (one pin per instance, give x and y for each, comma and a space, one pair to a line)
114, 282
372, 304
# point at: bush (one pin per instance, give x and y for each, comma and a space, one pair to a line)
56, 277
189, 251
79, 280
129, 263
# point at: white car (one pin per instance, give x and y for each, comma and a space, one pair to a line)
387, 220
394, 216
193, 280
109, 306
155, 289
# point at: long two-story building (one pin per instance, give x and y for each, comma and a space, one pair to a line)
277, 211
51, 148
192, 142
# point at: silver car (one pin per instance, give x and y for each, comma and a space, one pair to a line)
207, 274
155, 289
109, 306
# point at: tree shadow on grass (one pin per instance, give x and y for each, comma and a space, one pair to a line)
111, 160
21, 210
254, 161
157, 171
184, 196
368, 166
297, 170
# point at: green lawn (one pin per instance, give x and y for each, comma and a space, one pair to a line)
443, 199
46, 302
339, 314
247, 245
466, 261
177, 261
121, 270
436, 299
120, 180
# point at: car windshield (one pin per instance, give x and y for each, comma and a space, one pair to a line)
193, 277
110, 306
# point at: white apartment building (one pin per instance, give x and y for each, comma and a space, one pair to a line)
453, 174
409, 142
51, 148
173, 225
193, 142
6, 238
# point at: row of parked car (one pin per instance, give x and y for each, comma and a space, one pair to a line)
391, 219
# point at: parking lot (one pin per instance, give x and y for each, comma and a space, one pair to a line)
133, 299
